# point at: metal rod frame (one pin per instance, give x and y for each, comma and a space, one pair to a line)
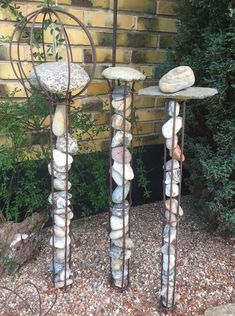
169, 303
31, 21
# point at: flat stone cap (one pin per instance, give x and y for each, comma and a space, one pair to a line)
53, 76
186, 94
123, 73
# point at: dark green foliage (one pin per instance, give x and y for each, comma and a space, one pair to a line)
206, 42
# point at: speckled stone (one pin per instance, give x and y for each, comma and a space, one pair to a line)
53, 76
123, 74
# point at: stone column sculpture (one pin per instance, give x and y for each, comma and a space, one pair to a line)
121, 83
175, 88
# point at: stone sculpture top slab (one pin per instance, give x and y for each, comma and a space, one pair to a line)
53, 76
186, 94
123, 73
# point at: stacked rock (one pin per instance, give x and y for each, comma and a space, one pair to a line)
177, 79
121, 171
122, 174
60, 78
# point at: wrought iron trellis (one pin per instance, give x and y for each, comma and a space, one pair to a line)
35, 23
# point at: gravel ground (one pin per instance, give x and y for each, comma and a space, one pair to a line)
204, 270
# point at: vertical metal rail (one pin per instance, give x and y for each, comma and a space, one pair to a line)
115, 10
169, 224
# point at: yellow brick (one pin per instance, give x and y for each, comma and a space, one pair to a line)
159, 24
6, 29
141, 128
146, 6
104, 19
96, 88
149, 114
158, 126
100, 118
144, 102
148, 56
166, 7
104, 55
129, 39
5, 14
6, 87
152, 139
104, 4
6, 71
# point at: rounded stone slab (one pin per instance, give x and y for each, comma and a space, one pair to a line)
123, 73
53, 76
186, 94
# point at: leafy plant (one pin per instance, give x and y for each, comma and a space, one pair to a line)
205, 41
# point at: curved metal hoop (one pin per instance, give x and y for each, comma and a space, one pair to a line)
31, 19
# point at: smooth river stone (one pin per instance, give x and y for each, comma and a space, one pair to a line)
116, 265
169, 142
57, 174
58, 169
174, 206
128, 171
118, 178
60, 158
72, 144
59, 242
69, 215
60, 199
173, 107
117, 155
59, 120
117, 195
117, 253
60, 284
167, 128
116, 234
171, 217
60, 255
119, 209
59, 231
61, 211
165, 262
57, 267
61, 184
119, 242
117, 275
177, 79
55, 77
118, 92
165, 249
126, 114
118, 139
176, 164
62, 274
175, 176
117, 222
166, 233
60, 222
118, 123
174, 192
176, 153
120, 104
123, 74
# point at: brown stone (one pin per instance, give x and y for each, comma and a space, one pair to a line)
176, 153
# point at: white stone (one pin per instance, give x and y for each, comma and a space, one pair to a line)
173, 207
175, 176
117, 222
126, 114
60, 221
119, 242
120, 104
116, 265
173, 108
118, 178
60, 255
60, 158
59, 242
169, 142
59, 120
117, 275
177, 79
123, 74
166, 233
62, 274
118, 123
171, 218
61, 284
61, 184
69, 215
117, 195
57, 174
72, 144
167, 128
59, 231
54, 76
128, 171
119, 92
120, 209
165, 249
60, 199
174, 192
61, 211
176, 164
165, 262
118, 139
116, 234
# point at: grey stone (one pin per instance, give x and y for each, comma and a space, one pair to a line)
123, 74
119, 209
187, 94
72, 144
57, 267
119, 242
57, 174
222, 310
54, 77
165, 249
173, 107
61, 284
117, 275
60, 199
119, 92
177, 79
117, 195
60, 158
61, 184
166, 233
117, 222
118, 139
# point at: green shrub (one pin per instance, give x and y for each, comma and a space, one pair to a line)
206, 42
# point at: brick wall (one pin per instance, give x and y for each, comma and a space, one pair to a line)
146, 29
